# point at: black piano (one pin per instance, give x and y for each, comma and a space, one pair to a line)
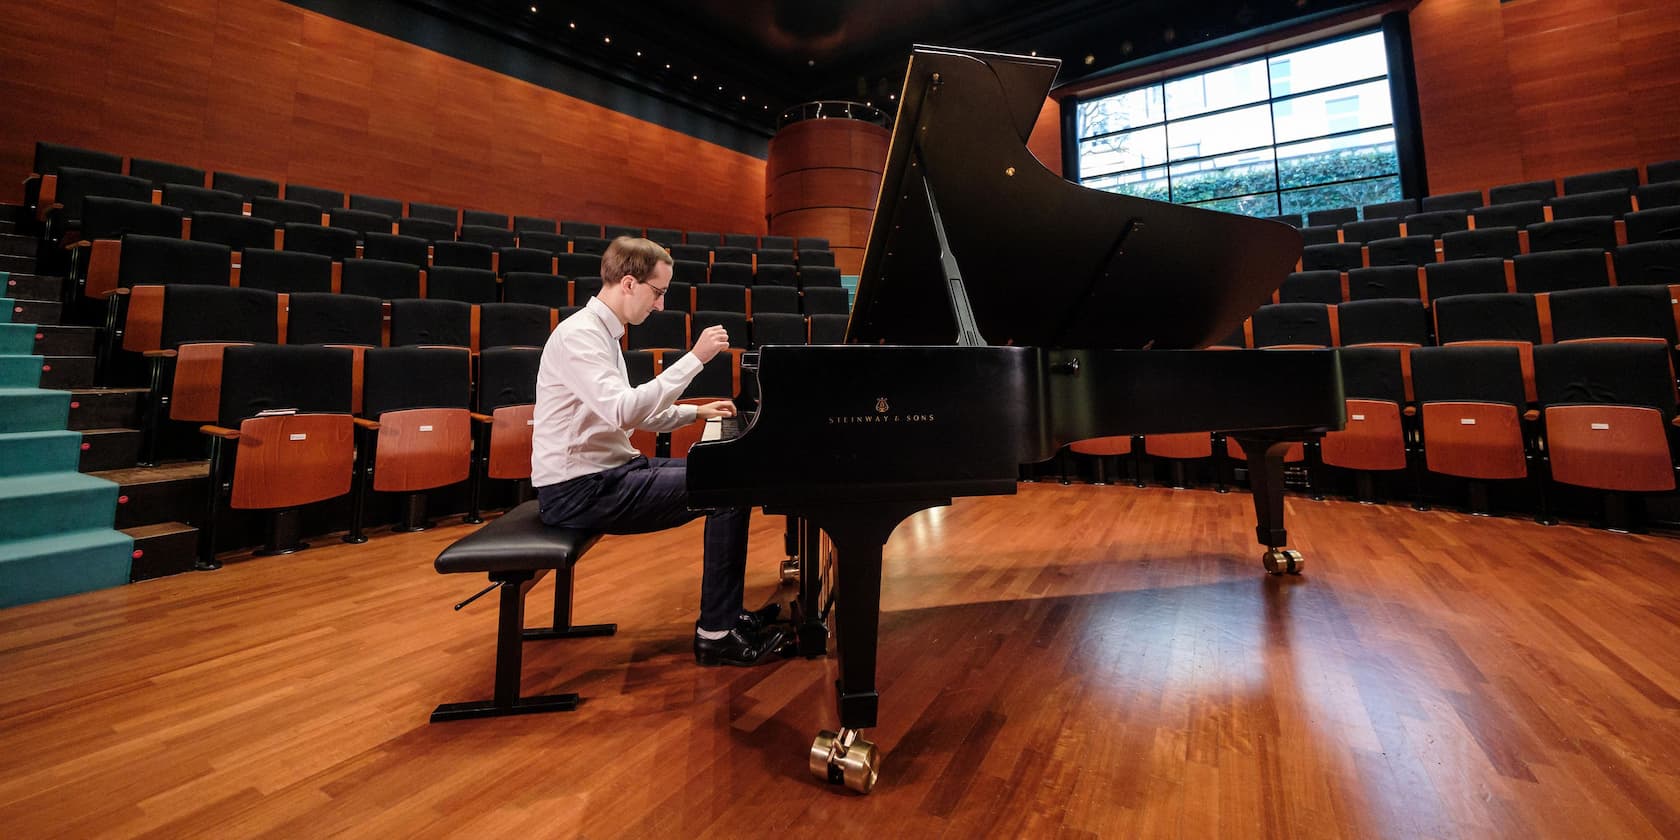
1002, 312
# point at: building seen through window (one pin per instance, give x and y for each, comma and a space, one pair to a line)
1307, 129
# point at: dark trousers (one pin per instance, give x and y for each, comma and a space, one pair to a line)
652, 495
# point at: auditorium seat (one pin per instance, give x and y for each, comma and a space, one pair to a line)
241, 233
773, 256
362, 222
779, 328
1551, 271
484, 218
374, 204
1525, 192
720, 297
63, 218
40, 187
663, 329
282, 212
591, 230
381, 279
539, 288
414, 432
162, 173
1389, 209
1597, 232
691, 253
1401, 250
679, 296
732, 254
1517, 214
740, 335
1294, 325
818, 276
504, 406
524, 259
1383, 321
1648, 263
578, 266
1310, 287
248, 187
194, 199
535, 224
1466, 201
584, 287
352, 322
553, 243
1652, 196
285, 271
430, 230
1610, 179
1332, 257
463, 255
1321, 235
1374, 380
1612, 203
109, 218
513, 325
337, 243
692, 272
665, 237
763, 299
468, 285
137, 259
776, 275
611, 232
1655, 173
279, 462
1179, 449
495, 237
828, 329
588, 245
1436, 223
1472, 400
1505, 316
1632, 312
784, 243
1337, 216
739, 274
1608, 411
394, 247
1370, 230
1392, 281
435, 323
826, 300
323, 198
810, 243
816, 259
1465, 277
1652, 225
748, 241
1502, 242
720, 379
436, 213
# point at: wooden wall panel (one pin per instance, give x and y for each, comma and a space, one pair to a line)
264, 88
1526, 90
1046, 140
825, 179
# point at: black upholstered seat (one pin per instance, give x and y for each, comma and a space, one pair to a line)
516, 541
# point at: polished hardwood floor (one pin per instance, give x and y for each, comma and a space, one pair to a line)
1073, 661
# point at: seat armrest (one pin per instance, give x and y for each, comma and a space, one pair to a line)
483, 418
365, 423
220, 431
159, 354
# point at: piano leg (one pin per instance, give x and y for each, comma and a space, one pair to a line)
1265, 481
859, 532
790, 542
812, 631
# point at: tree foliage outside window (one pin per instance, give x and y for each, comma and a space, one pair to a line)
1334, 96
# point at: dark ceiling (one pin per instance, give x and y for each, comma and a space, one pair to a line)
746, 60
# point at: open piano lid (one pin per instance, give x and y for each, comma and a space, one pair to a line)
1045, 262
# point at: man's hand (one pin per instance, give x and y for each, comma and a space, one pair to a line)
721, 408
711, 342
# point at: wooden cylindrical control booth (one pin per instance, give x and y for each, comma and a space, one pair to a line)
824, 173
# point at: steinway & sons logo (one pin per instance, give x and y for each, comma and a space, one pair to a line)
883, 414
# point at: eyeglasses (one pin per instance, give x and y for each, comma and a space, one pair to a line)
657, 292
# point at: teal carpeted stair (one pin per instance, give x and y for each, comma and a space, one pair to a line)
55, 523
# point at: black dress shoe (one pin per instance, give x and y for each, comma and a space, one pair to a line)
758, 619
740, 647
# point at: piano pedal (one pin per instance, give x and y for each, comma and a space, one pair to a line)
790, 570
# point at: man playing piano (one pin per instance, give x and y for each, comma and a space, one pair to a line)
588, 475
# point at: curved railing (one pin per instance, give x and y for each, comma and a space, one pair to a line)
834, 109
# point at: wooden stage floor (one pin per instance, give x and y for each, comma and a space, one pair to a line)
1074, 661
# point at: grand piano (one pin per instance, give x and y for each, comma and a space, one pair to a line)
1002, 312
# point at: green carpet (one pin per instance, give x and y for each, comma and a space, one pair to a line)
33, 410
63, 564
17, 339
33, 453
20, 371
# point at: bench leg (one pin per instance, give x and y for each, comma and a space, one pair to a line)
506, 701
563, 627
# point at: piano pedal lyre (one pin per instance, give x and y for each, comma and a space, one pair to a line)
844, 758
1279, 561
790, 570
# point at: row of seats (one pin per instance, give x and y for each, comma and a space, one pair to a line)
64, 175
1660, 188
1639, 264
1598, 415
1600, 232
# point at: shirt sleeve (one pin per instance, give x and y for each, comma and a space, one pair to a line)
590, 371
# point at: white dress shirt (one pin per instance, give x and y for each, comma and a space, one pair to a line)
586, 408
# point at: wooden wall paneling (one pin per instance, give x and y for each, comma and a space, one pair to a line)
1570, 90
267, 89
1458, 48
825, 178
1648, 36
1046, 140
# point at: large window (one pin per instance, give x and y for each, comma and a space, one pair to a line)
1308, 129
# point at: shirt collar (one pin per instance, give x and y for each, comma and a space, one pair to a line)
608, 318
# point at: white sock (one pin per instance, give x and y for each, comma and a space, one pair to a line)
712, 635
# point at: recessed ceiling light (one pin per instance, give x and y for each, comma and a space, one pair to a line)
638, 53
696, 77
892, 96
572, 24
743, 97
667, 67
1089, 60
720, 87
607, 40
533, 10
1034, 52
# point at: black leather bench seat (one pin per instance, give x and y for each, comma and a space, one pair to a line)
517, 541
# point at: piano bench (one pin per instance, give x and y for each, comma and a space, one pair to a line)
516, 550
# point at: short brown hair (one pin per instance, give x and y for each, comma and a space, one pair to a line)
632, 256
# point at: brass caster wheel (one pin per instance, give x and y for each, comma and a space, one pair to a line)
1279, 561
790, 570
844, 758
